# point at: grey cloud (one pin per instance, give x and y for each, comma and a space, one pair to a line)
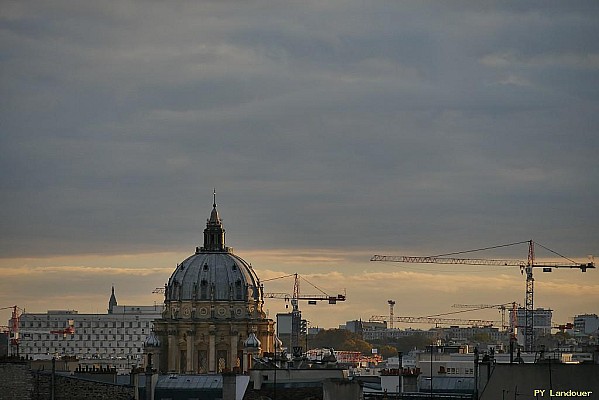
321, 124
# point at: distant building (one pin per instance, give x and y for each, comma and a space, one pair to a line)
379, 331
117, 335
587, 324
368, 330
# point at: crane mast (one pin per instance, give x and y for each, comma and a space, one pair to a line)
391, 305
525, 267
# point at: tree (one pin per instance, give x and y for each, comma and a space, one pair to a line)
387, 351
340, 339
482, 337
405, 343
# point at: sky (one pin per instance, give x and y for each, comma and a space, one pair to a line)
331, 130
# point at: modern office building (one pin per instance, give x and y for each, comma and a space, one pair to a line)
117, 335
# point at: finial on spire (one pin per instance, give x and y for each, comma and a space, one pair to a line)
214, 198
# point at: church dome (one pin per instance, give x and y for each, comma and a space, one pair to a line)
214, 273
213, 276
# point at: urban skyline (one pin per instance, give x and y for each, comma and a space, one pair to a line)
332, 131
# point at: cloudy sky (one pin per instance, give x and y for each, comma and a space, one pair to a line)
332, 130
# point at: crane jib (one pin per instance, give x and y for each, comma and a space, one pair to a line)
478, 261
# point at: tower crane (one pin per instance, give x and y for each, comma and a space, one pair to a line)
296, 296
525, 267
501, 307
296, 320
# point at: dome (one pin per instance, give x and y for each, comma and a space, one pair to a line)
214, 276
252, 341
213, 273
152, 340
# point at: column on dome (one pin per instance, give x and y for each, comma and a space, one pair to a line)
233, 353
190, 351
212, 350
172, 352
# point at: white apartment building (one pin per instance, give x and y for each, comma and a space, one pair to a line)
587, 324
117, 335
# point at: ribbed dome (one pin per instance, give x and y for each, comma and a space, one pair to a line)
213, 276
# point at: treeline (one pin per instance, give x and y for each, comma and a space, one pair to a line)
341, 339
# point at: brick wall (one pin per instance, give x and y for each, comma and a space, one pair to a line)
18, 382
71, 388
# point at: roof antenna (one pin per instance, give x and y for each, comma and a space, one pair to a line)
214, 198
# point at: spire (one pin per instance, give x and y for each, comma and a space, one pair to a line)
214, 234
112, 302
214, 214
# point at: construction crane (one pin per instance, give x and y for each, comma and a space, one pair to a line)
13, 329
434, 320
525, 267
563, 327
69, 330
311, 298
296, 321
501, 307
296, 296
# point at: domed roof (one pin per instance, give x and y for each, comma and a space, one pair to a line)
252, 341
152, 340
214, 273
214, 276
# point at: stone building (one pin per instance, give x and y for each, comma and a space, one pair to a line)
213, 304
